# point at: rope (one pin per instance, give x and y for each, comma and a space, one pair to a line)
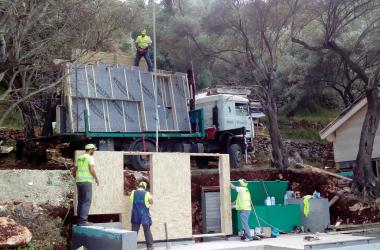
259, 218
265, 188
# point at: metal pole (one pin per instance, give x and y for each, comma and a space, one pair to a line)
155, 72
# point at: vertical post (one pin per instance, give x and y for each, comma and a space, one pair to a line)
155, 72
76, 95
86, 127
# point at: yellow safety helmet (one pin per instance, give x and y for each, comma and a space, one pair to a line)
142, 184
143, 32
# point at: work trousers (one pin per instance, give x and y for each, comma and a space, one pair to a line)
244, 218
147, 59
147, 234
84, 201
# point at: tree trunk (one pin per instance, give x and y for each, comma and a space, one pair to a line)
49, 115
364, 177
28, 117
279, 152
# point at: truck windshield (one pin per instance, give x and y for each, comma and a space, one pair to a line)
241, 109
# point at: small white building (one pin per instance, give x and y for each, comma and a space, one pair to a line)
345, 130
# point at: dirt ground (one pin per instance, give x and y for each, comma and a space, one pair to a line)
38, 186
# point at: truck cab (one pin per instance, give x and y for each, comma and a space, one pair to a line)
225, 112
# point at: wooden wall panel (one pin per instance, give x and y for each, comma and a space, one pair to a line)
170, 182
171, 189
108, 197
225, 194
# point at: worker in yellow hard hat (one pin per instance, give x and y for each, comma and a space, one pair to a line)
84, 173
143, 43
141, 201
243, 206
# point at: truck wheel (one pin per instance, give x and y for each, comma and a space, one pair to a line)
141, 162
236, 155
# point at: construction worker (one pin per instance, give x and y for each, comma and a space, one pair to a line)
84, 173
243, 205
142, 200
143, 43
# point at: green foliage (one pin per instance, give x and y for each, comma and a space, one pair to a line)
306, 125
14, 119
205, 78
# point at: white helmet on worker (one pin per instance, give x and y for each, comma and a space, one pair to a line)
243, 182
90, 146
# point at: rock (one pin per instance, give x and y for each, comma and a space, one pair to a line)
13, 234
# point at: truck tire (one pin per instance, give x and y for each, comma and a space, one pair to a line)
236, 155
141, 162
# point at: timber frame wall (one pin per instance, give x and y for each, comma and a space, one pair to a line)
170, 186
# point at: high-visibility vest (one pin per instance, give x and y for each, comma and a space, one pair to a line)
243, 200
83, 171
143, 42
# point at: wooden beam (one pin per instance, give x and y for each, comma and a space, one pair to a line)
318, 170
333, 200
208, 235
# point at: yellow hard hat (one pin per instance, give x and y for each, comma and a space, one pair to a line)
143, 32
142, 184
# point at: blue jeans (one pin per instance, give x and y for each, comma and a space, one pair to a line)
84, 201
244, 218
147, 59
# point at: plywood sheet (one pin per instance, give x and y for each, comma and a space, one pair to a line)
171, 191
108, 197
225, 194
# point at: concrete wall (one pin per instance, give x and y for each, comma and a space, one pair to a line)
348, 136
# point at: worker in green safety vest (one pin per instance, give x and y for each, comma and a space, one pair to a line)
143, 43
243, 205
84, 173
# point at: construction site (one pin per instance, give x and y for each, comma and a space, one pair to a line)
199, 161
189, 183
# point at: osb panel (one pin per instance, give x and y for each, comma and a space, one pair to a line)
92, 57
108, 197
171, 191
170, 188
225, 194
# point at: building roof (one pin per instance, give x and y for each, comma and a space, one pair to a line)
346, 114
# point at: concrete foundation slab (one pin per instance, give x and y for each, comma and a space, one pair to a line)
103, 237
289, 242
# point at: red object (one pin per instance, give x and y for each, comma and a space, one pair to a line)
144, 143
210, 133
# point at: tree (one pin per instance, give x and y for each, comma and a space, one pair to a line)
247, 39
361, 56
34, 34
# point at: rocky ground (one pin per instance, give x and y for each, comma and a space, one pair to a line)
41, 201
315, 153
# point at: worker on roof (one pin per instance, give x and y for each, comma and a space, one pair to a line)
141, 201
84, 173
143, 43
243, 205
